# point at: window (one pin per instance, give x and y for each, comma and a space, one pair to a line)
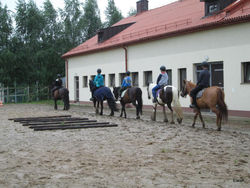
169, 72
213, 8
103, 79
84, 81
111, 80
147, 78
246, 72
182, 76
135, 79
121, 76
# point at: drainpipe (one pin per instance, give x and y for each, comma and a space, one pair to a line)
67, 73
126, 58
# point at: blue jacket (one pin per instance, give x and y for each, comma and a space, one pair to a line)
98, 81
162, 79
126, 82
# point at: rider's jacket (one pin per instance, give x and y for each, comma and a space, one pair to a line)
162, 79
204, 78
98, 81
126, 82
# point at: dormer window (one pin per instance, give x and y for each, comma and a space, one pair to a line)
213, 8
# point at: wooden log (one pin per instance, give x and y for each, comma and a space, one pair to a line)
68, 125
76, 127
13, 119
57, 122
52, 120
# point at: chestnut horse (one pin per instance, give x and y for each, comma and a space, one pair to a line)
212, 98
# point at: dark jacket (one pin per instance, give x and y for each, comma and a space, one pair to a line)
204, 78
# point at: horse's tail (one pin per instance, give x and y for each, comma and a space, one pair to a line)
139, 99
177, 105
222, 105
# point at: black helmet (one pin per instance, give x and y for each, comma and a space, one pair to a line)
204, 64
163, 68
58, 75
99, 70
128, 73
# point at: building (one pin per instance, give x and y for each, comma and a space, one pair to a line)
180, 36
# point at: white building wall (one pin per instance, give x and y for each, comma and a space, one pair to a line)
229, 44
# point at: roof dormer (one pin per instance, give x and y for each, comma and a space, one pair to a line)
215, 6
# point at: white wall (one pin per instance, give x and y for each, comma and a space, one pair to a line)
229, 44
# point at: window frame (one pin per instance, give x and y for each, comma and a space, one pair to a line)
146, 78
111, 82
245, 67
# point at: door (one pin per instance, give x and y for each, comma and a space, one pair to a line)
76, 80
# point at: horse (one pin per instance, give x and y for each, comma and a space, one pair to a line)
132, 95
167, 95
101, 94
61, 94
212, 98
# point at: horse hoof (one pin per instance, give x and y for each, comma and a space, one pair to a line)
179, 120
172, 122
193, 125
112, 114
219, 129
165, 120
138, 117
101, 114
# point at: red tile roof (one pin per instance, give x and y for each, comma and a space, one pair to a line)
173, 19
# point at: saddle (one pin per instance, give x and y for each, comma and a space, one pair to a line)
123, 93
200, 93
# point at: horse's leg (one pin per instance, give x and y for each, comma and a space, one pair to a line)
218, 121
55, 106
101, 113
97, 108
153, 116
172, 113
121, 109
201, 118
137, 110
164, 113
195, 117
124, 109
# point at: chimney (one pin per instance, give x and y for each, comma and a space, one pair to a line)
142, 6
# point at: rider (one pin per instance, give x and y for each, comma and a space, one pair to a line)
98, 81
203, 82
162, 81
58, 83
126, 83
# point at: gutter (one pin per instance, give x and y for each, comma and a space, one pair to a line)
126, 58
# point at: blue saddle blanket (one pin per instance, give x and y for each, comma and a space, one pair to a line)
103, 93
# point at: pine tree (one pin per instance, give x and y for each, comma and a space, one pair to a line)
113, 15
92, 20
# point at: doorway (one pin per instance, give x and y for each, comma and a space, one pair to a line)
76, 81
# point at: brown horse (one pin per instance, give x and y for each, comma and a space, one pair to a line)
62, 94
132, 95
212, 98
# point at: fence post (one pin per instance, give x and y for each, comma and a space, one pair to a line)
28, 93
15, 93
37, 99
7, 94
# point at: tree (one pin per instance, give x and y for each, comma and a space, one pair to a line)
113, 15
92, 20
132, 12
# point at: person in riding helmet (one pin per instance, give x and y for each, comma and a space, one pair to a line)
162, 80
98, 81
126, 83
203, 82
58, 83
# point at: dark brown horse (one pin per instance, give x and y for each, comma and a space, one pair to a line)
132, 95
212, 98
61, 94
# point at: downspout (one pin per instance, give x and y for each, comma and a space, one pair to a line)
67, 73
126, 58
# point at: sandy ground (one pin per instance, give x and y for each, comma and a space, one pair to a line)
137, 153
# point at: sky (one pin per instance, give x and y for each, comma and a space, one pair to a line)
123, 5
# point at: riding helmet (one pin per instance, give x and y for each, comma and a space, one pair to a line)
204, 64
128, 73
99, 71
58, 75
163, 68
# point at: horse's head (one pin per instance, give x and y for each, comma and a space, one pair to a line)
91, 85
184, 91
116, 91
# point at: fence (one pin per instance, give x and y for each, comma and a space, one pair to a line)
24, 94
